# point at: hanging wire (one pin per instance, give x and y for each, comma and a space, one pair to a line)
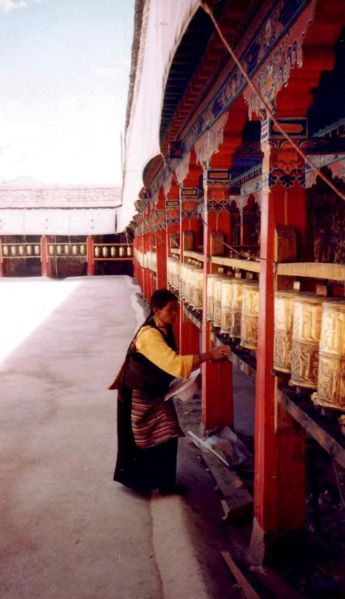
267, 107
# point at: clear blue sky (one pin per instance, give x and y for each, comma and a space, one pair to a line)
64, 68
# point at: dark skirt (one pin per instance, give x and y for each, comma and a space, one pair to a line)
149, 468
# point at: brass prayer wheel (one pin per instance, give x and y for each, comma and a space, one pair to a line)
13, 250
226, 306
122, 252
129, 250
113, 251
211, 279
331, 375
306, 330
82, 250
37, 250
236, 307
197, 289
5, 250
66, 249
59, 250
217, 302
51, 250
283, 320
105, 251
97, 251
250, 311
21, 250
74, 250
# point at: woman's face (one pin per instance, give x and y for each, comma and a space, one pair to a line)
168, 314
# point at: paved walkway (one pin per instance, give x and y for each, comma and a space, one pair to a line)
68, 531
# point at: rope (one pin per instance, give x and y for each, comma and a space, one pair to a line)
267, 107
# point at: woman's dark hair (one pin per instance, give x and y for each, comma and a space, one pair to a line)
160, 298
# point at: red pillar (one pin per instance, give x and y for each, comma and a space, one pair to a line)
90, 256
217, 401
1, 263
279, 485
189, 224
46, 266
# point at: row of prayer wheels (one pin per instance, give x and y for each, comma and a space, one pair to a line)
192, 285
113, 251
20, 250
66, 249
150, 261
233, 306
310, 344
173, 273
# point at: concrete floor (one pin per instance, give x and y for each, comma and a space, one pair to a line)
68, 531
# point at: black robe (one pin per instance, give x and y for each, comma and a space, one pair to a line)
153, 467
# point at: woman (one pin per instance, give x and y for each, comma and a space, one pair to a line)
147, 426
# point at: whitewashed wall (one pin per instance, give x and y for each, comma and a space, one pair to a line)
57, 222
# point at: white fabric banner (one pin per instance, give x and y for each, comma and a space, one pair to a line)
164, 24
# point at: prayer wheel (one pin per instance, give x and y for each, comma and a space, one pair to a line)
51, 250
129, 250
21, 250
249, 317
105, 251
82, 250
331, 375
113, 251
236, 307
13, 250
5, 250
226, 306
66, 249
122, 252
217, 302
210, 295
306, 330
58, 250
283, 320
74, 250
197, 289
37, 250
97, 251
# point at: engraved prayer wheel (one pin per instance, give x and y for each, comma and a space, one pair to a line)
113, 251
122, 252
37, 250
236, 307
226, 306
306, 330
97, 251
51, 250
197, 289
105, 251
129, 250
59, 250
249, 318
217, 302
5, 250
283, 320
21, 250
66, 249
331, 374
82, 250
74, 250
211, 279
13, 250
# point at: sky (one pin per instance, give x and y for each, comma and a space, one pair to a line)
64, 74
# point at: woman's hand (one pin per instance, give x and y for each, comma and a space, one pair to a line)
219, 352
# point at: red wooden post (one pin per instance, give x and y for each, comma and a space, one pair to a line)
46, 269
189, 223
161, 248
90, 256
1, 262
217, 403
279, 493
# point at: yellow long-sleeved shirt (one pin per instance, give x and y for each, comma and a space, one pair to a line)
151, 344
